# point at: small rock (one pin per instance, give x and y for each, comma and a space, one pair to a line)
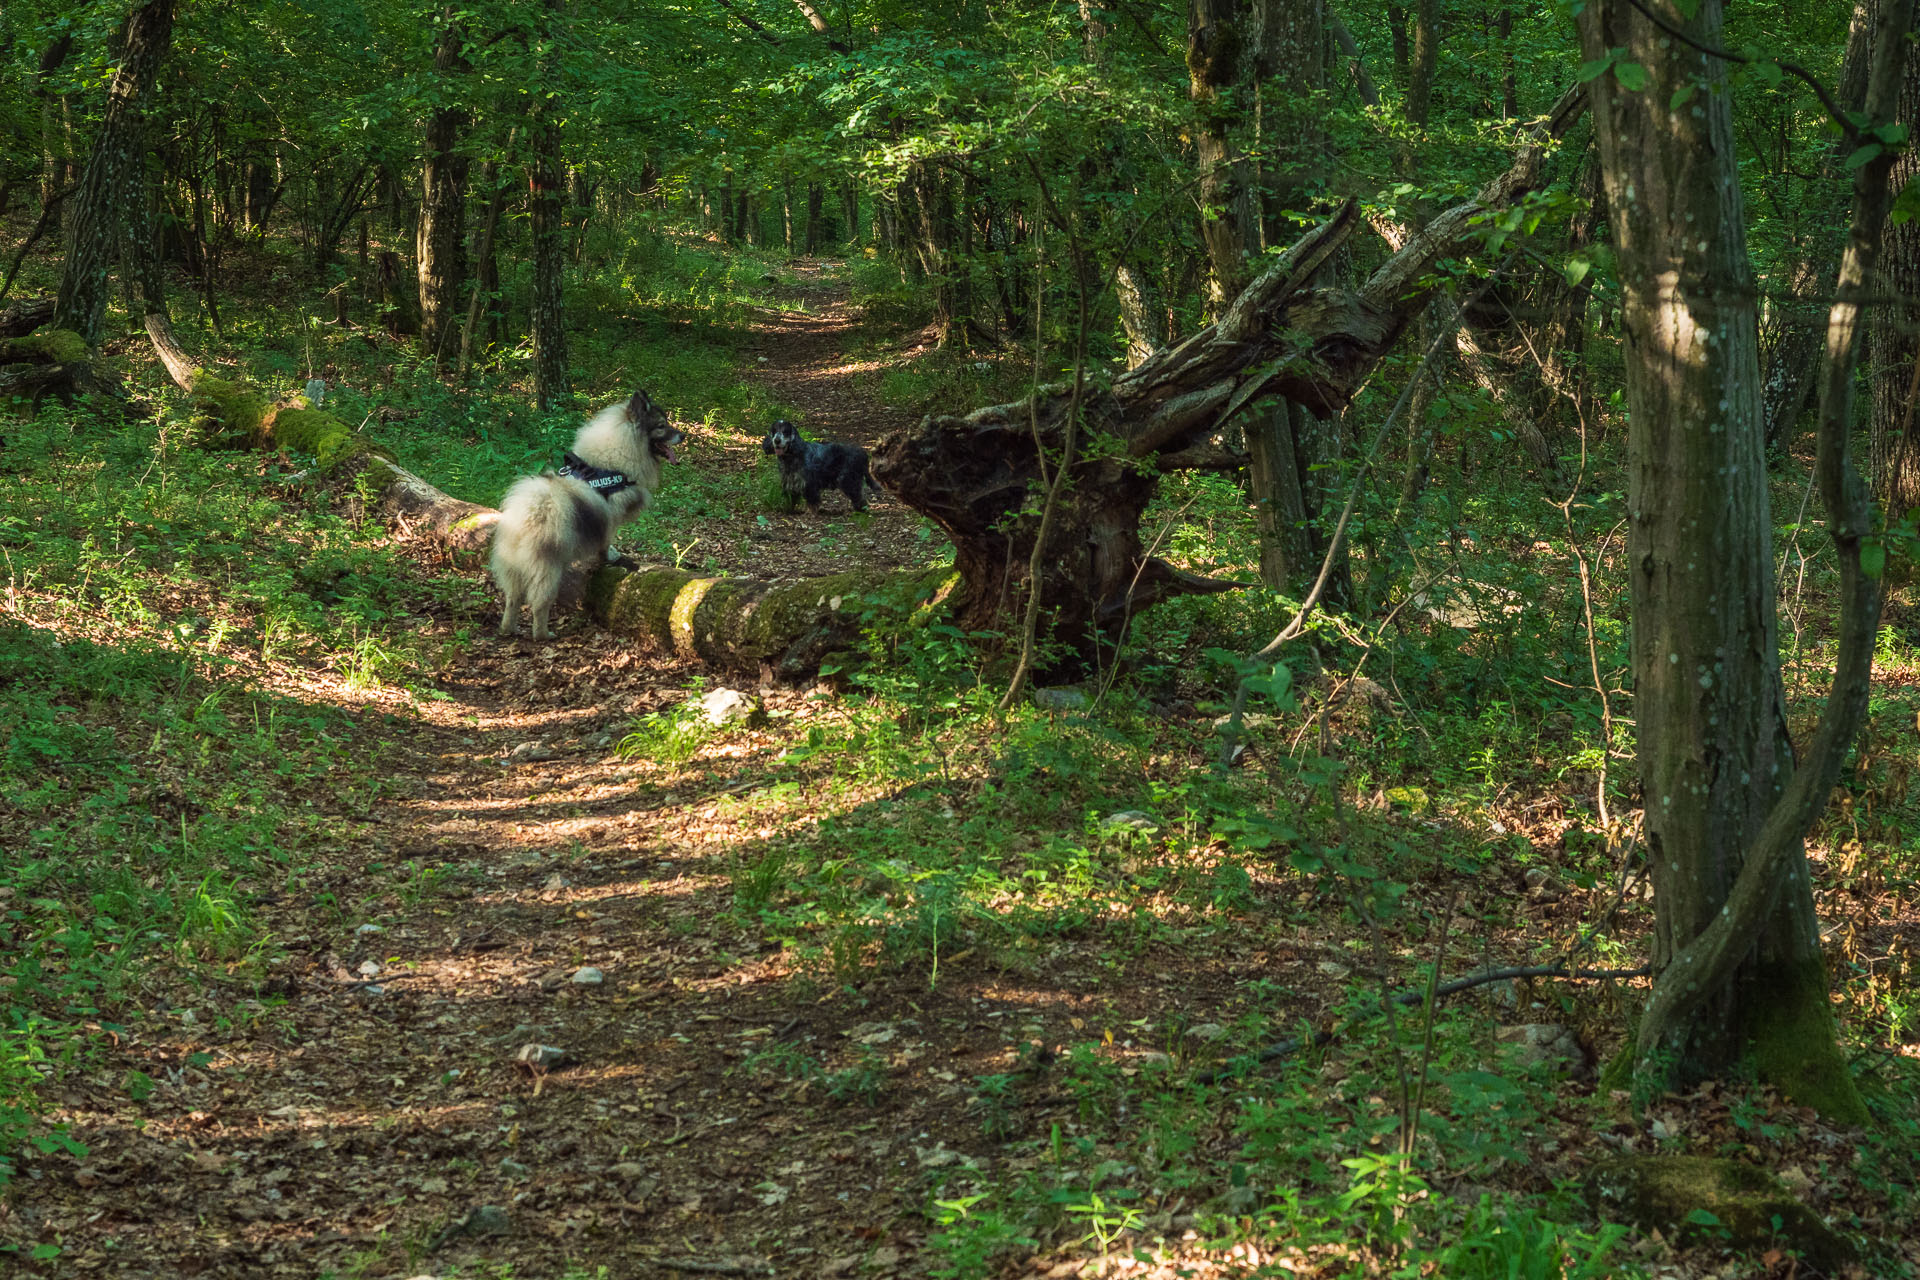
1062, 698
366, 929
724, 706
369, 969
1333, 968
1132, 820
1545, 1043
1248, 723
872, 1033
531, 751
540, 1057
554, 883
514, 1171
1154, 1058
588, 976
1542, 883
1207, 1031
488, 1220
628, 1171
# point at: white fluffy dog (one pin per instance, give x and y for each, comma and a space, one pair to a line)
551, 520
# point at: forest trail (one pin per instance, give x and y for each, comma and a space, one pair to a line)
348, 1115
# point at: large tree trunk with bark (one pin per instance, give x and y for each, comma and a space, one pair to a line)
1739, 974
440, 247
114, 177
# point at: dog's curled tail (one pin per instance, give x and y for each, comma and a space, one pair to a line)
531, 544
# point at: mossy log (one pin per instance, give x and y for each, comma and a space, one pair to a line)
52, 362
1749, 1207
785, 628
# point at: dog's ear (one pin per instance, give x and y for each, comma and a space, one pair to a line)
639, 408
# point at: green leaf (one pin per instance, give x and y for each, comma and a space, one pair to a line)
1864, 154
1576, 270
1682, 96
1703, 1218
1593, 70
1873, 557
1907, 206
1689, 9
1632, 76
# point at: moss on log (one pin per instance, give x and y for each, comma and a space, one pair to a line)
52, 362
787, 627
1749, 1207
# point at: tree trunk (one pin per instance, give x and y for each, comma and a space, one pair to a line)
934, 221
786, 214
547, 183
850, 211
1795, 332
54, 161
401, 307
1714, 756
1426, 55
1142, 313
440, 247
816, 200
1896, 337
114, 175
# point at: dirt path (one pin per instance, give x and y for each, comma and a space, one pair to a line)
802, 358
345, 1114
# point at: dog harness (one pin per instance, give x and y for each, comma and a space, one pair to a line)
605, 483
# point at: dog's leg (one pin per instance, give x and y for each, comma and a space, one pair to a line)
541, 611
852, 487
510, 618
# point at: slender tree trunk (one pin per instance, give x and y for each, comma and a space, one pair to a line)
547, 192
1142, 313
1796, 330
1896, 337
816, 200
114, 176
1426, 55
850, 211
440, 247
54, 161
786, 214
1708, 701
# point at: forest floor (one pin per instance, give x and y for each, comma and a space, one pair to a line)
558, 855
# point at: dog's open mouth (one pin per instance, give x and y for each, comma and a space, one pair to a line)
665, 449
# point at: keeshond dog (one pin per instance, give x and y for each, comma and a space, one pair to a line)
550, 521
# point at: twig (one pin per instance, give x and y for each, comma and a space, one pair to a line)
758, 1267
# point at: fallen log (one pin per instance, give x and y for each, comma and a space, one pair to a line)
779, 628
37, 363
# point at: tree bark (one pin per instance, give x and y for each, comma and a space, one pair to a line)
54, 161
1896, 337
547, 185
1725, 812
1426, 55
114, 176
816, 200
440, 246
1795, 331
